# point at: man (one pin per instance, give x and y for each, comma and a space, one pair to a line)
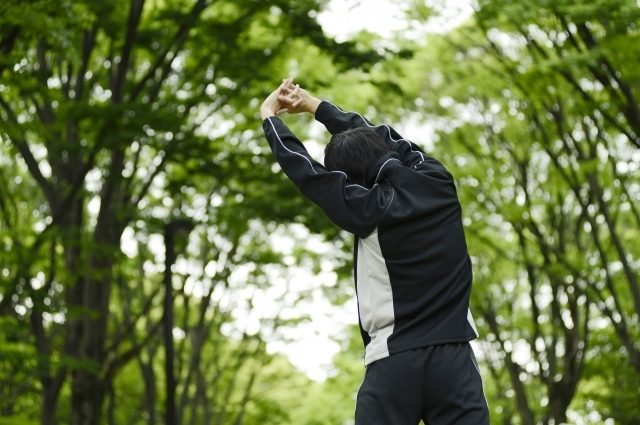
412, 269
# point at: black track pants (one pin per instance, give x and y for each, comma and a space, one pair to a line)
439, 384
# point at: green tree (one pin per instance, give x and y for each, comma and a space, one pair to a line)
114, 109
535, 109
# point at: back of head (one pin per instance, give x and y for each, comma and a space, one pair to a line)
354, 152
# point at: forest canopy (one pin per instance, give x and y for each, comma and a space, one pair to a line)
152, 254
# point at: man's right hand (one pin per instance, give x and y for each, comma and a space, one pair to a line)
297, 100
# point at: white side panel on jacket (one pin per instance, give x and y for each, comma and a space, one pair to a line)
375, 297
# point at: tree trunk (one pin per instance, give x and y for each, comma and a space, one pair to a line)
87, 395
50, 393
148, 375
170, 256
88, 387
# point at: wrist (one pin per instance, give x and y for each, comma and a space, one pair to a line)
313, 104
266, 113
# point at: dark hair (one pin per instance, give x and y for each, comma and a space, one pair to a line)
354, 152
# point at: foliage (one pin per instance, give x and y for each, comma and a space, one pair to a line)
120, 119
535, 108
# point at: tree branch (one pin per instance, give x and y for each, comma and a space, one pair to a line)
177, 41
29, 159
117, 87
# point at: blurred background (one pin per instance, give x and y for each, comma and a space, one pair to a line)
156, 267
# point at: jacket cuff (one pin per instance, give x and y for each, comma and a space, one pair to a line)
324, 111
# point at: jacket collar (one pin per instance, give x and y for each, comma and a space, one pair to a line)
379, 169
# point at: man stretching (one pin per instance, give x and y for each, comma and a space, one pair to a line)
411, 266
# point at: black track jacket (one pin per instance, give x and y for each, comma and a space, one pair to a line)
412, 269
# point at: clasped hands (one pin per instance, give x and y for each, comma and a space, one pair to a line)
290, 98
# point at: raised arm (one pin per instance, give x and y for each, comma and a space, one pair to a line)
336, 120
352, 207
296, 100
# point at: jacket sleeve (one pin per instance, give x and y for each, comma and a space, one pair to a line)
336, 120
354, 208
